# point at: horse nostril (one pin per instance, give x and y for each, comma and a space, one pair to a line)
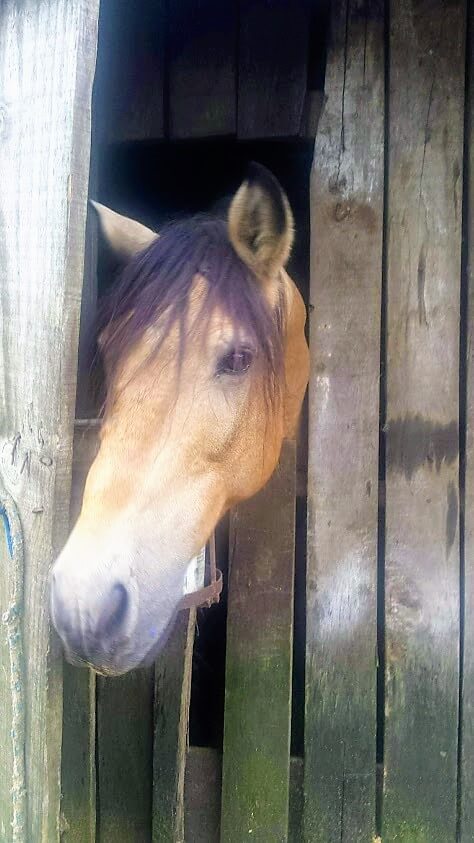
114, 611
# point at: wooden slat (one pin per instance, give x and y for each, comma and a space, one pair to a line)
125, 757
172, 698
255, 787
130, 70
346, 273
78, 774
425, 146
467, 726
201, 58
203, 794
47, 58
272, 67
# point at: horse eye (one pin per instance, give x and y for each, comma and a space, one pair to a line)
235, 362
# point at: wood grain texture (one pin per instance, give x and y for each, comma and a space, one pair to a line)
202, 797
201, 68
272, 67
425, 146
467, 701
78, 770
172, 697
256, 762
129, 86
346, 282
125, 757
47, 59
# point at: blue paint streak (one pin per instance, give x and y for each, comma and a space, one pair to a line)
8, 534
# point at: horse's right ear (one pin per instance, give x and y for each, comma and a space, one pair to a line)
260, 223
124, 236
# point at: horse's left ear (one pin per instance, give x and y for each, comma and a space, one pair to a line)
123, 235
261, 223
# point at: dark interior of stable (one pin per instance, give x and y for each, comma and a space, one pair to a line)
155, 177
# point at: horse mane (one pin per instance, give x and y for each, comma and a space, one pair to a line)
156, 283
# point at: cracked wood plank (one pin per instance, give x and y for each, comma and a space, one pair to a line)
346, 282
425, 148
47, 59
257, 719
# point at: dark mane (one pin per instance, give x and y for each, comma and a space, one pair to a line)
156, 283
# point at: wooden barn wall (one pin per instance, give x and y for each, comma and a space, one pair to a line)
389, 290
47, 60
389, 718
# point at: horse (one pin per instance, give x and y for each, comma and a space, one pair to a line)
206, 365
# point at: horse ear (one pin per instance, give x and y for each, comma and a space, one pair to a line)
125, 237
260, 223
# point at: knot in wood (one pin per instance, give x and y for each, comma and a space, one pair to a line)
342, 211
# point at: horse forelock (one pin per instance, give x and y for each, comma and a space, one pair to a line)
156, 284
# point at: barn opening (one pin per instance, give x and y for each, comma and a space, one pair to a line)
179, 111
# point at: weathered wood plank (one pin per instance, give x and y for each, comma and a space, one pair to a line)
272, 67
425, 147
125, 757
202, 797
12, 679
78, 773
47, 58
346, 283
256, 762
172, 698
201, 59
130, 70
467, 702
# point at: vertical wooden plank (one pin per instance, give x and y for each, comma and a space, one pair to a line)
172, 698
125, 752
78, 773
346, 282
203, 797
272, 67
202, 800
201, 58
12, 679
47, 58
467, 725
130, 70
256, 762
425, 146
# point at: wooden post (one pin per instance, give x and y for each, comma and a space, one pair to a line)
256, 762
172, 697
78, 771
466, 790
424, 211
47, 59
346, 282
